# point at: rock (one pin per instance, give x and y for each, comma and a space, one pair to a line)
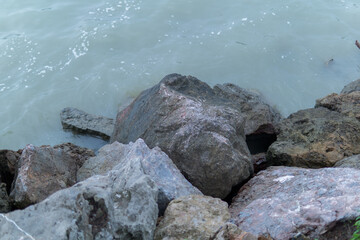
200, 129
42, 171
84, 123
349, 162
156, 164
79, 154
231, 232
8, 166
347, 104
120, 205
192, 217
315, 138
4, 199
286, 201
351, 87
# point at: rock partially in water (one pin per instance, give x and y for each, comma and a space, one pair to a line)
200, 128
84, 123
351, 87
286, 201
315, 138
192, 217
41, 172
155, 163
120, 205
347, 104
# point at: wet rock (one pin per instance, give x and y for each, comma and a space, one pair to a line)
351, 87
289, 201
79, 154
192, 217
4, 199
347, 104
200, 128
231, 232
315, 138
156, 164
42, 171
119, 205
85, 123
349, 162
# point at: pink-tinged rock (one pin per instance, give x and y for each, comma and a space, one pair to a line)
285, 201
41, 172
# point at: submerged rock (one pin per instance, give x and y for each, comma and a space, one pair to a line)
200, 128
120, 205
192, 217
286, 201
85, 123
41, 172
315, 138
156, 164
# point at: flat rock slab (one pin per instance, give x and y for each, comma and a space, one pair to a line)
192, 217
286, 201
314, 138
41, 172
156, 164
202, 129
84, 123
120, 205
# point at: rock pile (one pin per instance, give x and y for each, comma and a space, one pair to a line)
176, 153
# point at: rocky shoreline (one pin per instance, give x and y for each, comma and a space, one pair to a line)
187, 161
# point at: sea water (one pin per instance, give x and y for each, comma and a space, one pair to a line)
95, 55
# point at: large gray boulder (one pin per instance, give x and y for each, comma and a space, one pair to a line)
84, 123
41, 172
156, 164
192, 217
315, 138
200, 128
119, 205
288, 201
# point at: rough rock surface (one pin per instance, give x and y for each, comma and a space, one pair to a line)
156, 164
349, 162
42, 171
120, 205
347, 104
286, 201
4, 199
231, 232
79, 154
8, 166
315, 138
82, 122
351, 87
200, 128
192, 217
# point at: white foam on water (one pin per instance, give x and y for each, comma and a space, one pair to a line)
94, 55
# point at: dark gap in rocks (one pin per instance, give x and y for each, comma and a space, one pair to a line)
234, 191
259, 142
98, 216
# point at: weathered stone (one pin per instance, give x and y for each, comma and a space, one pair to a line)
349, 162
315, 138
85, 123
42, 171
287, 201
202, 132
79, 154
231, 232
120, 205
4, 199
347, 104
156, 164
192, 217
351, 87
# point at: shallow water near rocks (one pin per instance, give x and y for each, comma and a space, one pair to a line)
95, 55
